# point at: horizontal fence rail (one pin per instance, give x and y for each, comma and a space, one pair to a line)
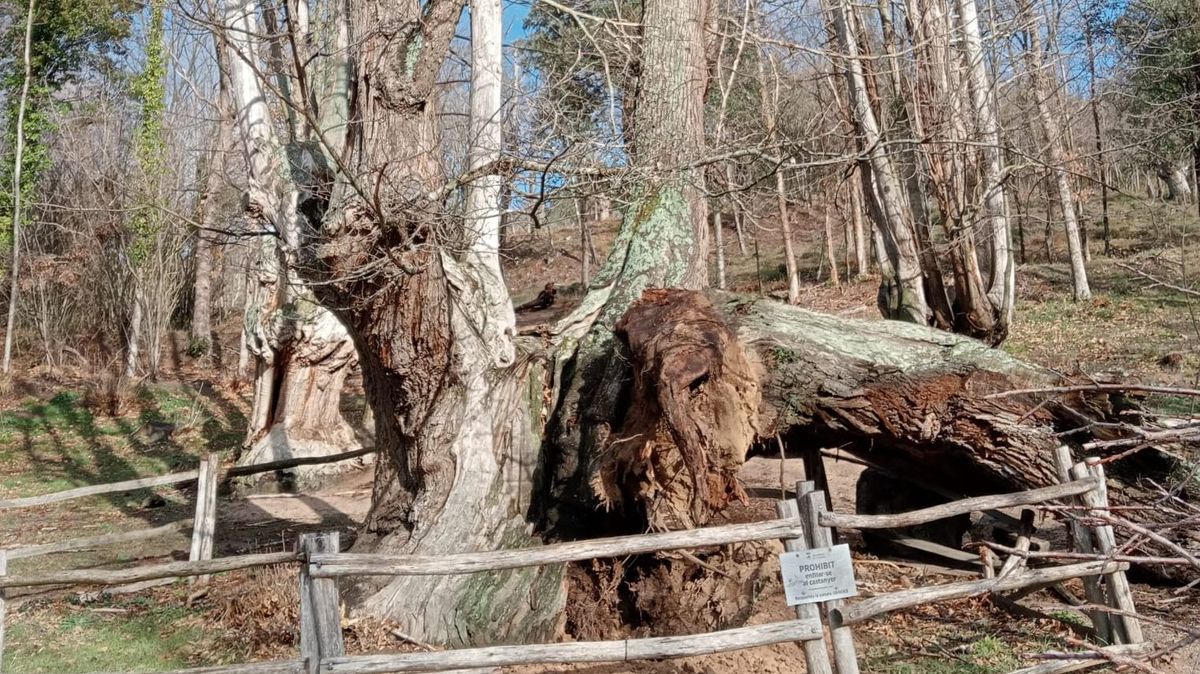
112, 487
175, 478
962, 507
86, 542
894, 601
151, 571
583, 651
329, 565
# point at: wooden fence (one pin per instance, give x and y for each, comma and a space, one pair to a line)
804, 523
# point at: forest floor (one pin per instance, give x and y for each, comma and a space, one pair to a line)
57, 431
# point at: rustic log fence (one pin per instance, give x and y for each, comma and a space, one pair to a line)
804, 523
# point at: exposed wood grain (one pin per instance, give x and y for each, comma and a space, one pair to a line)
139, 573
869, 608
1083, 544
87, 542
815, 655
584, 651
357, 564
80, 492
205, 528
320, 614
1128, 628
841, 638
969, 505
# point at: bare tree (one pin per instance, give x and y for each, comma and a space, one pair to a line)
1052, 135
19, 152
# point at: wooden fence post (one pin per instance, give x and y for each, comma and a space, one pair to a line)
3, 608
320, 610
204, 524
1083, 543
842, 638
815, 655
1120, 596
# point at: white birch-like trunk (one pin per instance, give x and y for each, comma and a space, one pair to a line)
1054, 153
903, 290
1002, 286
18, 157
719, 244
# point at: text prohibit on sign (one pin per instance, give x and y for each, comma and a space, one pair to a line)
819, 574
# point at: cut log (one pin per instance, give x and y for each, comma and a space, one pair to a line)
915, 401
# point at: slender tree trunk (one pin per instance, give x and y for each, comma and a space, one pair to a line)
1054, 154
1002, 284
133, 335
585, 258
902, 290
18, 158
737, 213
769, 113
829, 247
719, 244
1094, 104
862, 264
201, 327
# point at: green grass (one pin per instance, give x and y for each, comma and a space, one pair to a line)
986, 655
141, 637
53, 444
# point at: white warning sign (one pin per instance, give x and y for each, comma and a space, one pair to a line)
816, 575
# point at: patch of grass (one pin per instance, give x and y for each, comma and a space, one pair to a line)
124, 636
986, 655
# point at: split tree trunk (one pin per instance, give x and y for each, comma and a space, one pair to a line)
1175, 177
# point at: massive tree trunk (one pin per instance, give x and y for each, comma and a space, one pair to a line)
1175, 176
659, 245
916, 401
303, 353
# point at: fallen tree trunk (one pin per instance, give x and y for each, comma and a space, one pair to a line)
915, 401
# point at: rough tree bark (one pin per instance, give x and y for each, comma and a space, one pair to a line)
1175, 176
302, 352
1002, 283
914, 400
660, 244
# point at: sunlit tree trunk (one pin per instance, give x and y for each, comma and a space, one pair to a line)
902, 293
201, 326
302, 352
1052, 132
18, 158
1002, 285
